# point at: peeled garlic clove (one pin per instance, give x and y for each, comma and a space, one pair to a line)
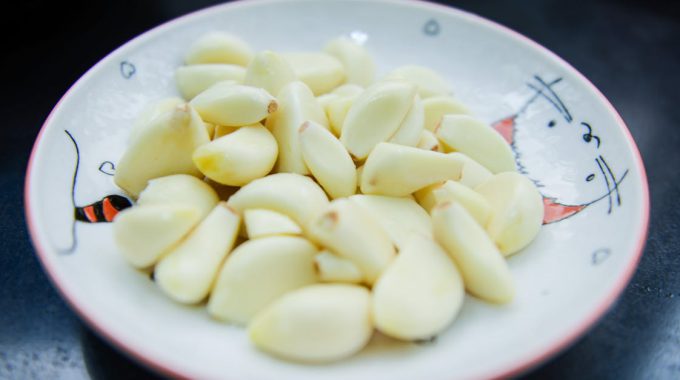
411, 127
428, 141
419, 294
485, 272
517, 210
180, 189
375, 115
219, 47
438, 106
348, 89
320, 71
234, 105
351, 232
473, 173
260, 223
297, 105
357, 62
399, 170
294, 195
332, 268
221, 130
428, 81
328, 160
239, 157
144, 234
325, 99
400, 217
161, 147
318, 323
336, 110
194, 79
258, 272
270, 71
452, 191
151, 113
187, 272
478, 141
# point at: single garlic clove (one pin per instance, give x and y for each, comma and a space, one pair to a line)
234, 105
485, 272
320, 71
297, 105
351, 232
161, 146
258, 272
327, 160
411, 127
375, 115
152, 113
187, 272
333, 268
419, 294
219, 47
428, 141
478, 141
194, 79
261, 222
400, 217
294, 195
399, 170
517, 210
180, 189
428, 81
270, 71
318, 323
452, 191
144, 234
437, 106
336, 110
348, 89
357, 62
473, 173
239, 157
325, 99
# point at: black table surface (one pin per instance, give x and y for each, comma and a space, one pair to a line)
630, 50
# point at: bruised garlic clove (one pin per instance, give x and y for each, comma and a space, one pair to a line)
239, 157
327, 160
485, 272
219, 47
428, 81
234, 105
400, 217
452, 191
187, 272
517, 210
180, 189
357, 62
473, 173
336, 110
270, 71
411, 127
437, 106
297, 105
260, 223
161, 147
294, 195
144, 234
348, 89
375, 115
258, 272
351, 232
419, 294
428, 141
320, 71
333, 268
318, 323
194, 79
398, 170
478, 141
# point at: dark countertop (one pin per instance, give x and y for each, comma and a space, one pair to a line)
629, 49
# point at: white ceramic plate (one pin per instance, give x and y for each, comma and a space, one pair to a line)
566, 136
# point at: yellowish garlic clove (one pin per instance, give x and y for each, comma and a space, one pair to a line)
219, 47
348, 89
452, 191
437, 106
357, 62
429, 83
194, 79
411, 127
179, 189
320, 71
234, 105
428, 141
333, 268
270, 71
261, 223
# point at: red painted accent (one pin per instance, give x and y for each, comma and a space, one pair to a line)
506, 127
554, 212
89, 212
109, 211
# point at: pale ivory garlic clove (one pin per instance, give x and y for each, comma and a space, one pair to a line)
219, 47
320, 71
411, 127
234, 105
261, 222
333, 268
270, 71
452, 191
429, 83
357, 62
437, 106
428, 141
194, 79
180, 189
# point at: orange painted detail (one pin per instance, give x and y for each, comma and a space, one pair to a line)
89, 212
108, 209
554, 212
505, 127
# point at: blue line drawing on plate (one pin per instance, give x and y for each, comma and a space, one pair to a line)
127, 69
431, 28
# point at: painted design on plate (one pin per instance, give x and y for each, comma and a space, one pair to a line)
555, 209
127, 69
431, 28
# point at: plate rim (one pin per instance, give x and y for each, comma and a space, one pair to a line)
531, 361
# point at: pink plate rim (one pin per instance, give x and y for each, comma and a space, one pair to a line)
532, 360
